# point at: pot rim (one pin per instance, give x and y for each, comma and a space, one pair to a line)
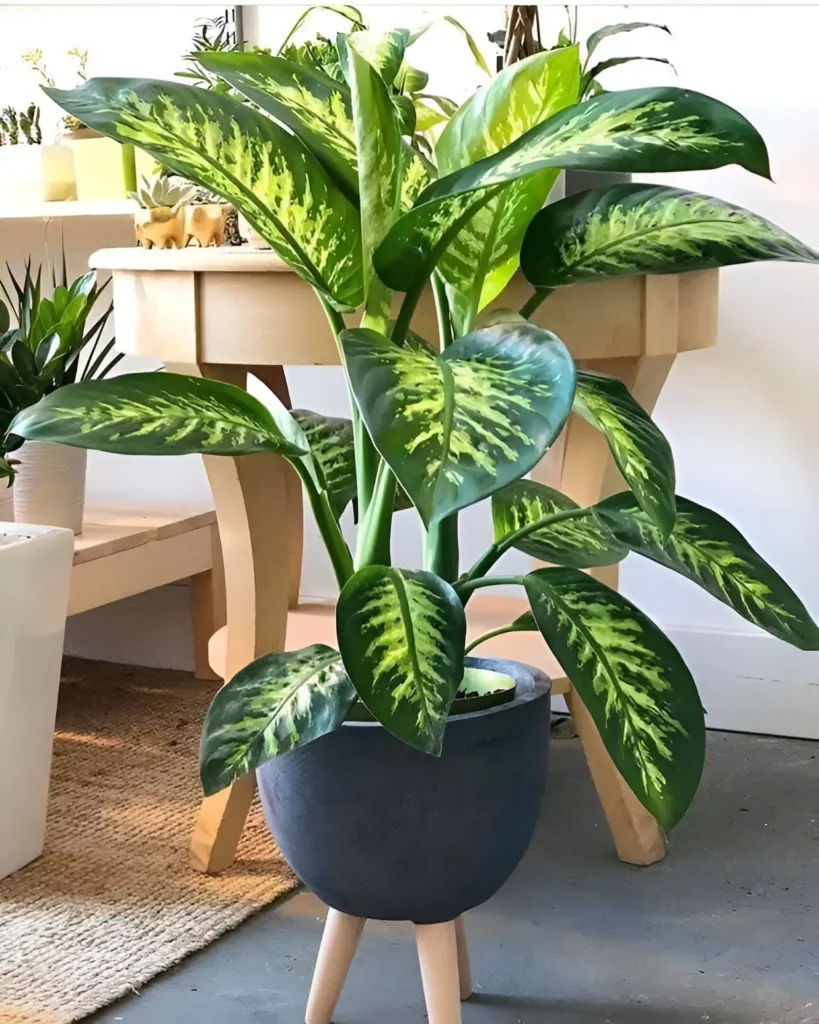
531, 683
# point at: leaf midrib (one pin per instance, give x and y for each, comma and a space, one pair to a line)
400, 586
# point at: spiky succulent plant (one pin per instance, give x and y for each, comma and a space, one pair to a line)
151, 195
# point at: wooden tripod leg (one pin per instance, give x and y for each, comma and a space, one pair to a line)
338, 945
464, 973
438, 956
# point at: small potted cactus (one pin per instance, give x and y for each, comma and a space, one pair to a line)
29, 170
160, 220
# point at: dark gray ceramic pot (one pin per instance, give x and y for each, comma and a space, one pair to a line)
580, 181
379, 830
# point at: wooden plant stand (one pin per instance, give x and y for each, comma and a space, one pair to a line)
227, 313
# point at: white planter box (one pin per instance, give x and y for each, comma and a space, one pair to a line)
49, 486
35, 570
36, 174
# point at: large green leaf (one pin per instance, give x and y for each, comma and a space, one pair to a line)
647, 229
639, 130
384, 53
401, 635
580, 542
161, 414
277, 703
243, 156
707, 549
378, 140
331, 446
313, 105
633, 682
640, 449
483, 256
458, 426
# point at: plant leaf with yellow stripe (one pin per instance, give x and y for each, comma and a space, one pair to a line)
633, 682
402, 636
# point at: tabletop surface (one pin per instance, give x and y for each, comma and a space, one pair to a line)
223, 259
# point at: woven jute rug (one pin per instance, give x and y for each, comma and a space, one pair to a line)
112, 902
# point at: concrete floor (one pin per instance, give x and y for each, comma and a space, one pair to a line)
724, 930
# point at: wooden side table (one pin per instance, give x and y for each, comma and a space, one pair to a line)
226, 313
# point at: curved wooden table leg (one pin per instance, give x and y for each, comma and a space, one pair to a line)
208, 609
250, 496
589, 474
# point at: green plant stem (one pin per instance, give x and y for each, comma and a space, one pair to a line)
442, 309
375, 531
533, 303
500, 547
366, 457
465, 588
511, 628
334, 542
442, 554
405, 313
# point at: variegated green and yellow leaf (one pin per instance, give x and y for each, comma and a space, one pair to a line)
707, 549
578, 541
313, 105
456, 427
331, 446
243, 156
633, 682
647, 229
639, 448
161, 414
638, 130
483, 255
277, 703
401, 635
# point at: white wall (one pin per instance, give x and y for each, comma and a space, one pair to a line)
740, 417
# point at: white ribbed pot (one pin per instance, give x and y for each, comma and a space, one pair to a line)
6, 503
49, 485
35, 572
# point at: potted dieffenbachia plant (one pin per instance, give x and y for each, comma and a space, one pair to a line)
443, 423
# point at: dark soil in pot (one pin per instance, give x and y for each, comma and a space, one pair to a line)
379, 830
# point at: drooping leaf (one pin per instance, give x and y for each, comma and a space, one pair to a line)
401, 635
637, 130
277, 703
474, 49
647, 229
456, 427
707, 549
482, 257
427, 117
378, 141
384, 52
352, 14
331, 445
597, 37
161, 414
579, 542
591, 75
238, 153
640, 449
633, 682
313, 105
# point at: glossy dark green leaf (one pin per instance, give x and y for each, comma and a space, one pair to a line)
707, 549
401, 635
483, 256
637, 130
597, 37
277, 703
456, 427
647, 229
580, 542
161, 414
633, 682
243, 156
331, 446
640, 449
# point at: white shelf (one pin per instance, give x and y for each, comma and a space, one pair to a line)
68, 208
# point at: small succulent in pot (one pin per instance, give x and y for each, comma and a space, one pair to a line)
159, 221
357, 212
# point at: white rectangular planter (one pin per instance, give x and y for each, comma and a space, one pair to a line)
36, 174
35, 571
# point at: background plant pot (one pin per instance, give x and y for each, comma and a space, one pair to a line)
379, 830
103, 168
205, 223
6, 503
49, 487
32, 622
160, 227
34, 174
579, 181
